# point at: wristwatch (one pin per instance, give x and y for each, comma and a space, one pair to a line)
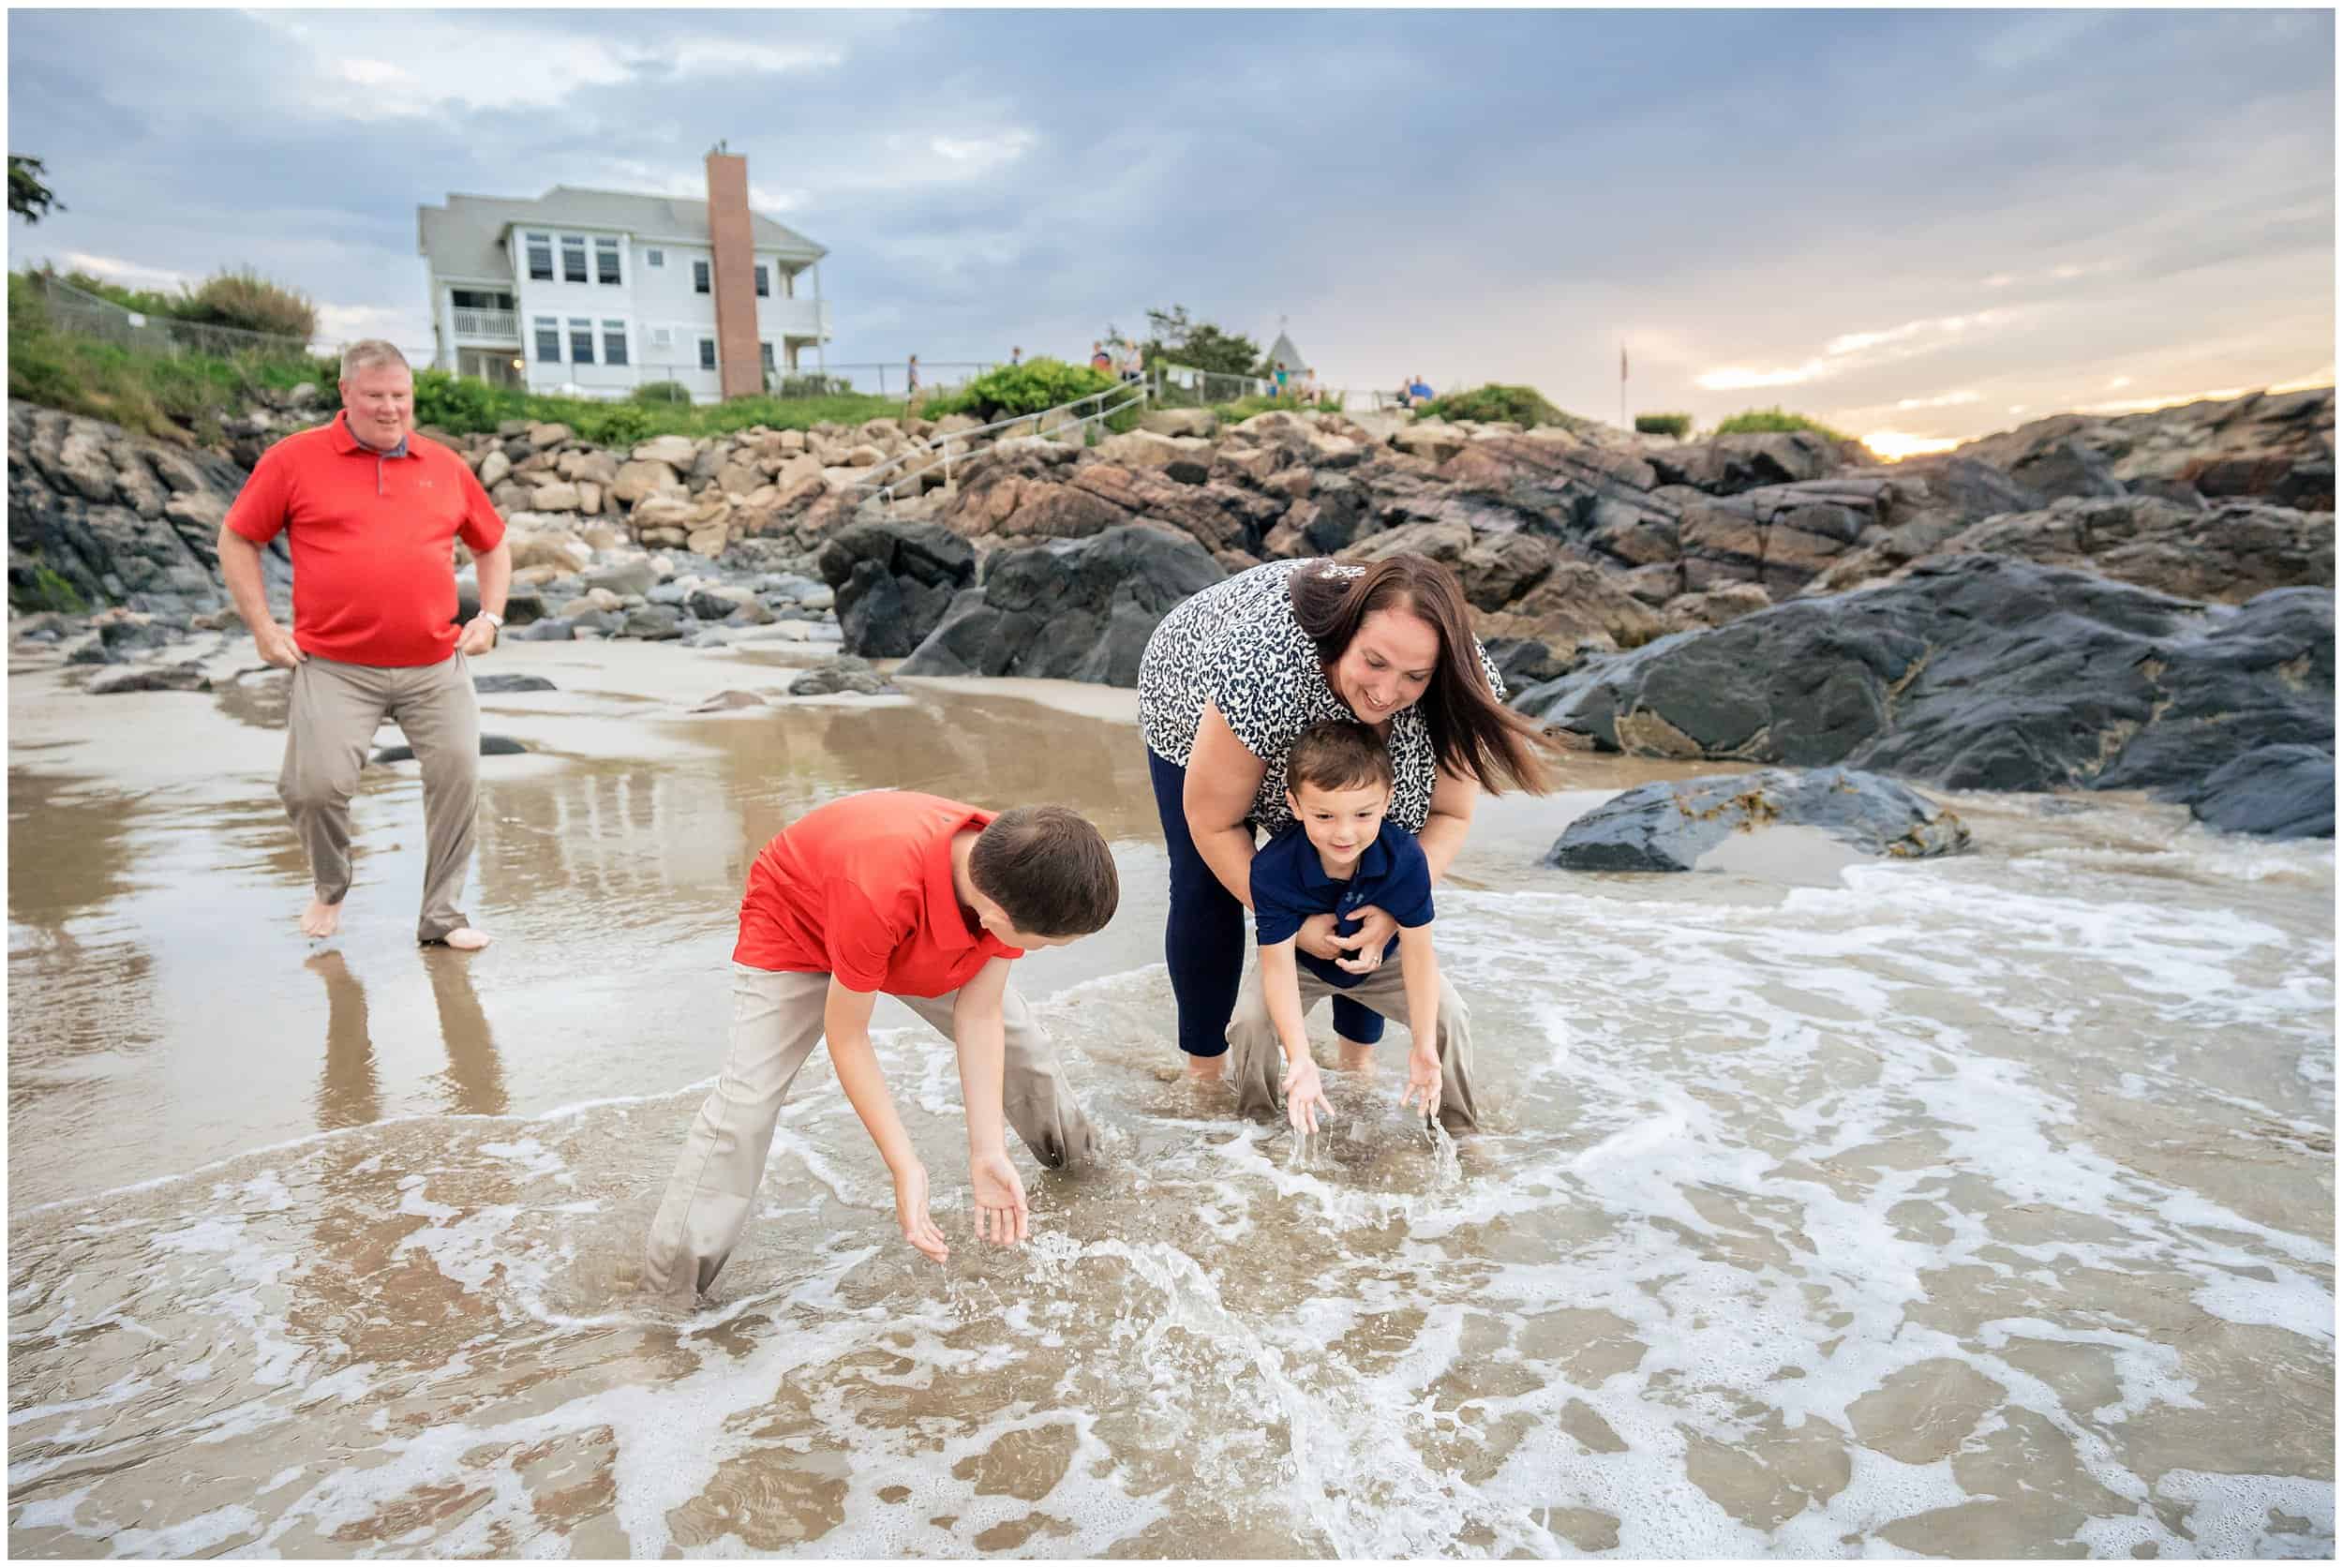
496, 621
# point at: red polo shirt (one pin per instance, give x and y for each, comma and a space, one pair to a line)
373, 540
861, 889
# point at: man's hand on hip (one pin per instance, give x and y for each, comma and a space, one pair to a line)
479, 634
276, 646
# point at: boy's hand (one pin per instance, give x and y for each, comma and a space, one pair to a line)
1372, 939
1306, 1097
1422, 1082
1001, 1215
911, 1212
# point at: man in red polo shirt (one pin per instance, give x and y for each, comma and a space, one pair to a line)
927, 900
373, 512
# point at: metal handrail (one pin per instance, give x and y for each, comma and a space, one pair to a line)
1129, 393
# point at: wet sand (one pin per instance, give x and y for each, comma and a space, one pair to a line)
1972, 1207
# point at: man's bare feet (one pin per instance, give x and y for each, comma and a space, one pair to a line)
1205, 1070
465, 939
1355, 1057
321, 918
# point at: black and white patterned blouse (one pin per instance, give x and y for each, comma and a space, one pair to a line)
1238, 645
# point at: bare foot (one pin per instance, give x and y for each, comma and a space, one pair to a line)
465, 939
1355, 1057
321, 918
1204, 1070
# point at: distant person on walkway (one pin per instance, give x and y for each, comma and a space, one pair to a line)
929, 900
1016, 354
1099, 359
1404, 393
1309, 386
371, 512
1280, 378
1134, 363
911, 393
1420, 391
1233, 676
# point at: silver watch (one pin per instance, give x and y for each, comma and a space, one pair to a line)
493, 619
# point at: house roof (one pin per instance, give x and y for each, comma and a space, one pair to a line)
465, 237
1283, 350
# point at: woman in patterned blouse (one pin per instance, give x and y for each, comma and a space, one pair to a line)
1234, 673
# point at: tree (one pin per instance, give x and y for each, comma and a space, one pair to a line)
28, 198
1199, 345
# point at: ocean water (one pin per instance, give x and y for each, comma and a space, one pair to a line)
1976, 1207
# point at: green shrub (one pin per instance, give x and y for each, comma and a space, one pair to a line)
1496, 404
1759, 421
1677, 425
250, 302
662, 391
812, 386
1020, 389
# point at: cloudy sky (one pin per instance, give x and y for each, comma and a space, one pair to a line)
1923, 224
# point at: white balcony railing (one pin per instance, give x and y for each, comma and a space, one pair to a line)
794, 318
503, 326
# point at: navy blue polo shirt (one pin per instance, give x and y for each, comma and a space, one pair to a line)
1291, 885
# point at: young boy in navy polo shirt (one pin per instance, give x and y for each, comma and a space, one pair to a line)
1341, 856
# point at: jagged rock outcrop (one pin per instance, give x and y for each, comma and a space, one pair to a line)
1670, 824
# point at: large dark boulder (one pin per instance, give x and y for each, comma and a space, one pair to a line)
1666, 825
1073, 610
1976, 672
2278, 792
894, 581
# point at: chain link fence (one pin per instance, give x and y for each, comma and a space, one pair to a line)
86, 315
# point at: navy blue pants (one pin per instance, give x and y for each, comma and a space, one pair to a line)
1204, 938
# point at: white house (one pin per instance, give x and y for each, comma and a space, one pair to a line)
600, 291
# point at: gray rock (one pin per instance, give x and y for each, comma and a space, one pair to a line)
1669, 826
652, 624
845, 672
1975, 672
2279, 791
89, 648
623, 578
150, 678
490, 745
669, 594
549, 629
498, 684
726, 701
894, 582
1074, 609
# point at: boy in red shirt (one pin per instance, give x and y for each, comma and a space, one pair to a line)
929, 900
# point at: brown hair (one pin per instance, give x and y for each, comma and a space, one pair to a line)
1337, 754
1473, 733
1049, 869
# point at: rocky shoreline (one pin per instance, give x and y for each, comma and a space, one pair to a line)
2137, 603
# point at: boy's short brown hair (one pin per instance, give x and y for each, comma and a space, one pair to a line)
1049, 869
1337, 754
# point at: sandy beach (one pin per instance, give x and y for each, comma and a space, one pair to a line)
1980, 1206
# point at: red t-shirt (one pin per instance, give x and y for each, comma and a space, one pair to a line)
373, 540
861, 889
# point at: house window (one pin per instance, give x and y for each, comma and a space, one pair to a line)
480, 299
707, 353
654, 258
699, 277
541, 257
765, 353
763, 281
606, 260
614, 342
573, 258
548, 341
581, 340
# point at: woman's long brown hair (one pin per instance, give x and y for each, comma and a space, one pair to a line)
1472, 732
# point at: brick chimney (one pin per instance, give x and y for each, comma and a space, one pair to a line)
739, 367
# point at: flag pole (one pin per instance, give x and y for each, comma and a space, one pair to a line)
1622, 384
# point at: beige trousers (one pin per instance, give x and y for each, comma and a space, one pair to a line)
335, 709
776, 1021
1256, 1062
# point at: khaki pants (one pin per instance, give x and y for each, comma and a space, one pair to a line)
335, 711
1256, 1062
776, 1020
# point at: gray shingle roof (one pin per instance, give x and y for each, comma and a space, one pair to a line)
1283, 350
465, 237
